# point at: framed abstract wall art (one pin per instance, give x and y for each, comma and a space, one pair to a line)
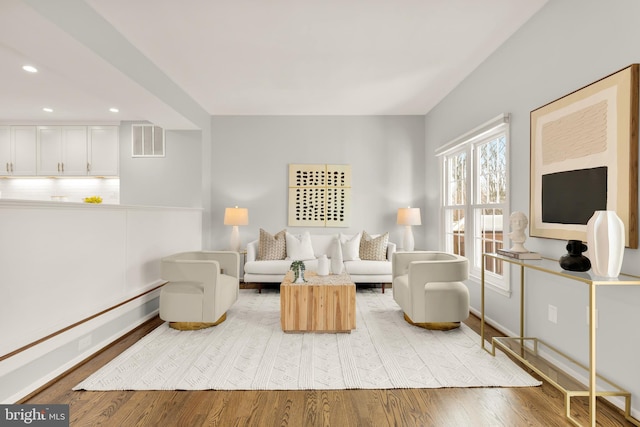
584, 157
319, 195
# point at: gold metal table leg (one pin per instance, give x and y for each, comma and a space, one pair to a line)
592, 355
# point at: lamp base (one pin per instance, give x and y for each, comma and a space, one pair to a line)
408, 242
235, 239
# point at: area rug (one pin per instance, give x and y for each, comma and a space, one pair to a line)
249, 351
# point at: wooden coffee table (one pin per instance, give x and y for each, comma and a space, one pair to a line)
322, 304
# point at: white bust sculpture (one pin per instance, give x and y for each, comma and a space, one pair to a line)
519, 223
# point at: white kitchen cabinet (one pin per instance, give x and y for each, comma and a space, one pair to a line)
103, 155
62, 150
17, 150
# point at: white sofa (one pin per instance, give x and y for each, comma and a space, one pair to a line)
361, 271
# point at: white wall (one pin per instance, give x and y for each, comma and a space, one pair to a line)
567, 45
251, 156
65, 262
173, 180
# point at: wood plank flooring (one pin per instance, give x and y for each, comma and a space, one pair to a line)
508, 407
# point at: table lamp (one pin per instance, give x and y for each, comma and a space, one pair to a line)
408, 216
236, 216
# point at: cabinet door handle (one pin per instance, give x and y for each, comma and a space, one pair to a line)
88, 167
11, 166
62, 166
7, 166
58, 166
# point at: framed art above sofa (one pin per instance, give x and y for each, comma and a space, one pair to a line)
319, 195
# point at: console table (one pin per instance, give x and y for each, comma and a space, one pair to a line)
528, 349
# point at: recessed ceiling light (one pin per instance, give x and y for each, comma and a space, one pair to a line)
48, 110
30, 68
113, 110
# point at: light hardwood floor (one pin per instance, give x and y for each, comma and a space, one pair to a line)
508, 407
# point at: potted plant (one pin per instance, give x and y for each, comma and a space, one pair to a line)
298, 271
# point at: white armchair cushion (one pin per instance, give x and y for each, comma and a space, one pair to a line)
197, 290
299, 248
428, 286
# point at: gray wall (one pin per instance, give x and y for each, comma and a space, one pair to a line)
250, 158
174, 180
567, 45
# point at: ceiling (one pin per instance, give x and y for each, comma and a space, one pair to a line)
174, 62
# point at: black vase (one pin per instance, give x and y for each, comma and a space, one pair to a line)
574, 260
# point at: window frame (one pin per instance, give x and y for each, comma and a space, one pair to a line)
469, 144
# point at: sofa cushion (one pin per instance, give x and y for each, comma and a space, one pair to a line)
272, 247
275, 267
373, 248
368, 267
299, 248
350, 247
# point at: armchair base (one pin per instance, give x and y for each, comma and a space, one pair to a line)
194, 326
433, 326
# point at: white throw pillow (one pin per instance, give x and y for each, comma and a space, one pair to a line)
350, 247
299, 248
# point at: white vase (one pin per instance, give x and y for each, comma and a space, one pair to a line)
605, 239
337, 263
323, 266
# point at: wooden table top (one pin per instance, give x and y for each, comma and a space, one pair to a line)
314, 279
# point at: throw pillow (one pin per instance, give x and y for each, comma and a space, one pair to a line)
374, 249
350, 247
272, 247
299, 248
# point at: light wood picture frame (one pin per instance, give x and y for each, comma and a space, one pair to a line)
584, 157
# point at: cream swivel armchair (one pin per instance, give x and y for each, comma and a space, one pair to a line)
427, 286
202, 286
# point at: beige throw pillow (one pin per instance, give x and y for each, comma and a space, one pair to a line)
374, 249
272, 247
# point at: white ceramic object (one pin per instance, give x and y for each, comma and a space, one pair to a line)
605, 239
408, 242
323, 266
337, 261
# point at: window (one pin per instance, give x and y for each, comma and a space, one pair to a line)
147, 141
475, 197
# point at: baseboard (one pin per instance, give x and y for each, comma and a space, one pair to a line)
34, 367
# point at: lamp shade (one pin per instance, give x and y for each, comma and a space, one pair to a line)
236, 216
409, 216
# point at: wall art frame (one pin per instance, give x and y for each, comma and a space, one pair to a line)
319, 195
584, 157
